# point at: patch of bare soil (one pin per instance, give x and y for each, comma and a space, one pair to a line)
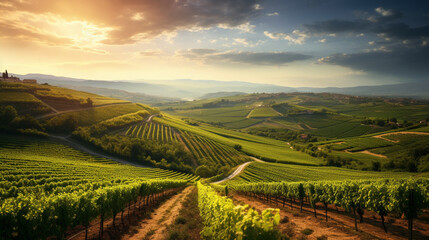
373, 154
340, 224
155, 227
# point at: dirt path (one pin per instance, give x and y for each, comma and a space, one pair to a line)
340, 224
235, 173
381, 136
373, 154
256, 159
150, 117
69, 142
155, 227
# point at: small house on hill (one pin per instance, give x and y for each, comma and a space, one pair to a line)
30, 81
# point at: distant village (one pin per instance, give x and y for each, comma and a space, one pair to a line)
6, 78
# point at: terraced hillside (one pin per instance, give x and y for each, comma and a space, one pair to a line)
261, 147
399, 149
203, 150
38, 100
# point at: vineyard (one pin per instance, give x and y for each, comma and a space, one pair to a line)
45, 188
261, 147
387, 196
204, 150
275, 172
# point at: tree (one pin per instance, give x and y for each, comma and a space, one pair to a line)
26, 122
238, 147
7, 114
89, 102
62, 124
203, 171
376, 166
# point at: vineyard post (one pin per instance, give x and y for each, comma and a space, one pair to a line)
411, 212
122, 218
326, 210
100, 235
382, 222
301, 194
354, 213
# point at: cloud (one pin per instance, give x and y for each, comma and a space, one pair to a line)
242, 57
402, 31
322, 40
273, 14
335, 26
297, 37
398, 61
22, 32
385, 15
131, 20
151, 52
381, 25
245, 42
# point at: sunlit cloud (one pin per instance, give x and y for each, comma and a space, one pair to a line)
213, 56
297, 37
128, 21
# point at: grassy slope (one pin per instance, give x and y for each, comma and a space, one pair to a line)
269, 172
91, 116
254, 145
74, 94
264, 112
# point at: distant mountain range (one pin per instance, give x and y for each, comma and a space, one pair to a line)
172, 90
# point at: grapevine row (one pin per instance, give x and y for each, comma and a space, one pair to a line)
408, 197
43, 216
153, 131
223, 220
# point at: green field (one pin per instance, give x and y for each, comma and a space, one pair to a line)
9, 96
322, 115
274, 172
91, 116
23, 102
59, 92
263, 112
393, 147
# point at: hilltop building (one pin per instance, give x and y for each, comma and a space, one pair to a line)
6, 78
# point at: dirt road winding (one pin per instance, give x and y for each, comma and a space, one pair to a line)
235, 173
155, 227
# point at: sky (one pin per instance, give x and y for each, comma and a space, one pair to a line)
297, 43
